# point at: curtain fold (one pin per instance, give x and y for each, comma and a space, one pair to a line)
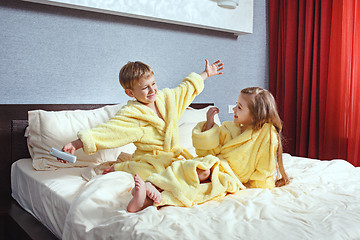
299, 33
354, 136
314, 73
341, 133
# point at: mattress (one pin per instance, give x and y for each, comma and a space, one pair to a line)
321, 202
47, 195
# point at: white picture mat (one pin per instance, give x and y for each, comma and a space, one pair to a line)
196, 13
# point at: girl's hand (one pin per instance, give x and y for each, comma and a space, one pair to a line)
213, 69
210, 115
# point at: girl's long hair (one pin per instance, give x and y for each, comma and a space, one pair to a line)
263, 109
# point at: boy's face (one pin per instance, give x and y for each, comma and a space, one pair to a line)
242, 112
144, 90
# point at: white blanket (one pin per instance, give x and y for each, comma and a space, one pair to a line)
321, 202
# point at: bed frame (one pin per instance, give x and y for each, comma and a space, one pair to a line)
16, 223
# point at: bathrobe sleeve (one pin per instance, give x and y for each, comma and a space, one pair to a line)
262, 177
186, 91
210, 141
117, 132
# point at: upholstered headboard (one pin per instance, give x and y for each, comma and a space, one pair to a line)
18, 141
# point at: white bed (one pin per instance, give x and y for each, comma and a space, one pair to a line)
321, 202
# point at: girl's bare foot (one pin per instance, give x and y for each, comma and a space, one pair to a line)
138, 202
152, 192
204, 175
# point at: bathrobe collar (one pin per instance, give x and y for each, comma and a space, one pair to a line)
139, 111
240, 139
166, 105
246, 136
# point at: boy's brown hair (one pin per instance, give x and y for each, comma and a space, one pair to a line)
132, 72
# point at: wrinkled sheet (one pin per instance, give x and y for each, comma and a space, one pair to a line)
47, 195
321, 202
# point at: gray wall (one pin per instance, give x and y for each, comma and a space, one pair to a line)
59, 55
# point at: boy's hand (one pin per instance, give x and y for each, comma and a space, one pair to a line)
71, 148
210, 115
213, 69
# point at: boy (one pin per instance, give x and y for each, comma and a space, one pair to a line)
150, 121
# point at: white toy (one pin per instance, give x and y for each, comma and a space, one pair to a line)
62, 155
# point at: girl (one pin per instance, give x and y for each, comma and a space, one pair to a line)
246, 151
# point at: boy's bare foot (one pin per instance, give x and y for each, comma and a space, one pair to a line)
110, 169
137, 203
152, 192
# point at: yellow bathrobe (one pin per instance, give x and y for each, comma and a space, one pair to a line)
156, 140
234, 158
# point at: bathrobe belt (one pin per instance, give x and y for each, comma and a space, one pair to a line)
177, 152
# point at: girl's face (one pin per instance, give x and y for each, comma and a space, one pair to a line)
242, 116
144, 90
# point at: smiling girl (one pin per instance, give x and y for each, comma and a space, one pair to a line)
255, 118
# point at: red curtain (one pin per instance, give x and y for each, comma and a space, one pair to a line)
313, 72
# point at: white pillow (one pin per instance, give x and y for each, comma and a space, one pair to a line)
56, 128
187, 122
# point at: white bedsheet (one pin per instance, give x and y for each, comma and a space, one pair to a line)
321, 202
47, 195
